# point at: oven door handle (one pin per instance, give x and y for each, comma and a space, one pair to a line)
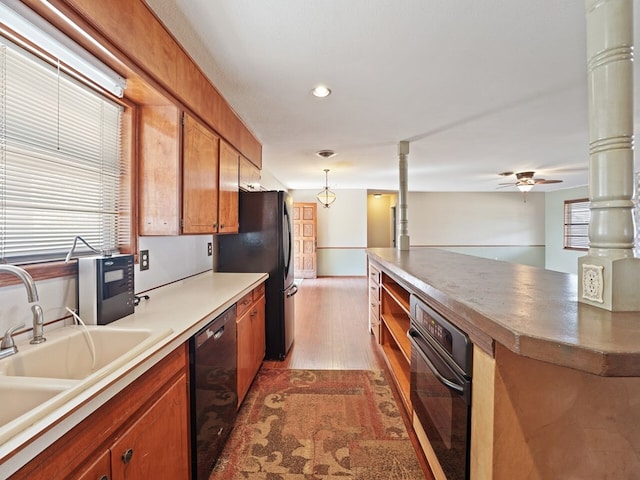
445, 381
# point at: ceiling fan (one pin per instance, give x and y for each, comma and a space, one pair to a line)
525, 181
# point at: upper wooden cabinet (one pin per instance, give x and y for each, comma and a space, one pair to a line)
188, 190
200, 152
159, 175
249, 176
228, 189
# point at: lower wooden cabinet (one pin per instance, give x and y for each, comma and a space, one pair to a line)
142, 433
251, 338
156, 445
100, 469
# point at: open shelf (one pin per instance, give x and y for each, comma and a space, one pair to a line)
398, 366
399, 294
397, 327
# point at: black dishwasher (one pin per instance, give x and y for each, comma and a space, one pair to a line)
213, 388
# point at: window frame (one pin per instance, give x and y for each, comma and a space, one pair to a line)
48, 269
566, 238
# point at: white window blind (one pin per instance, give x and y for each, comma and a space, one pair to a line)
61, 164
576, 224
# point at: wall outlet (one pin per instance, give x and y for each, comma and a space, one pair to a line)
209, 249
144, 260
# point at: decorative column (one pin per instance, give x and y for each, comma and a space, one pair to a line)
403, 237
609, 275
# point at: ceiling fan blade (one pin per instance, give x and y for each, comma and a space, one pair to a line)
510, 183
505, 185
542, 180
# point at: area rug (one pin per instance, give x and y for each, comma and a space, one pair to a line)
319, 425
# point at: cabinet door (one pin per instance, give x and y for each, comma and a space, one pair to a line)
228, 209
199, 178
159, 171
98, 470
259, 334
245, 354
156, 445
249, 176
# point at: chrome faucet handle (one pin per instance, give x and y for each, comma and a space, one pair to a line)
7, 340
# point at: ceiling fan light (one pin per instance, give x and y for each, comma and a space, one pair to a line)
524, 187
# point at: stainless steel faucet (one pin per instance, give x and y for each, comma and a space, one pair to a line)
32, 296
8, 347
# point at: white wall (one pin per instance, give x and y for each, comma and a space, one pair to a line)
171, 259
269, 182
500, 225
557, 258
342, 232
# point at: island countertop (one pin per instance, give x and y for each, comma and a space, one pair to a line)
531, 311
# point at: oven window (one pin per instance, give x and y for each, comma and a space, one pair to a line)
443, 412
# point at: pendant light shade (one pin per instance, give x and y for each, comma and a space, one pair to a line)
326, 197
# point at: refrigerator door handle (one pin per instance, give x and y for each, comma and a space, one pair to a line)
291, 291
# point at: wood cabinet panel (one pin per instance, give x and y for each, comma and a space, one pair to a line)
137, 33
228, 221
251, 338
199, 178
156, 445
98, 470
159, 170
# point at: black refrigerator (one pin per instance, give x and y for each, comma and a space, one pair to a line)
264, 244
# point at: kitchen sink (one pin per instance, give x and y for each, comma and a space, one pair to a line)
20, 395
77, 352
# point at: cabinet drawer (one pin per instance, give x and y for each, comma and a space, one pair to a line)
374, 292
374, 312
374, 275
244, 304
258, 292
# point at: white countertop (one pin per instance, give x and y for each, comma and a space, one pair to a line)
181, 308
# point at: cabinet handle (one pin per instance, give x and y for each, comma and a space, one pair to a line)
126, 456
222, 225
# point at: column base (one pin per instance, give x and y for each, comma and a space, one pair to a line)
403, 242
609, 283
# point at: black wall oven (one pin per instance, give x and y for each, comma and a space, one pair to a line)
441, 366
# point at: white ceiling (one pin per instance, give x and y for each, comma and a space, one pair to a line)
476, 87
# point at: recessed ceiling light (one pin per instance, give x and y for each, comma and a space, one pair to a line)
321, 91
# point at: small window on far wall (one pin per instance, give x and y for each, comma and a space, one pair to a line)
576, 224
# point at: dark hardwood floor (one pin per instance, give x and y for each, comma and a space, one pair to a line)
331, 330
331, 333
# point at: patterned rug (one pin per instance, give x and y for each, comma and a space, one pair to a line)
319, 425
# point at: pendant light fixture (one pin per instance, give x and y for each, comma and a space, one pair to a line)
326, 197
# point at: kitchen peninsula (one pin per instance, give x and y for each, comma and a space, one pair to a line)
556, 383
